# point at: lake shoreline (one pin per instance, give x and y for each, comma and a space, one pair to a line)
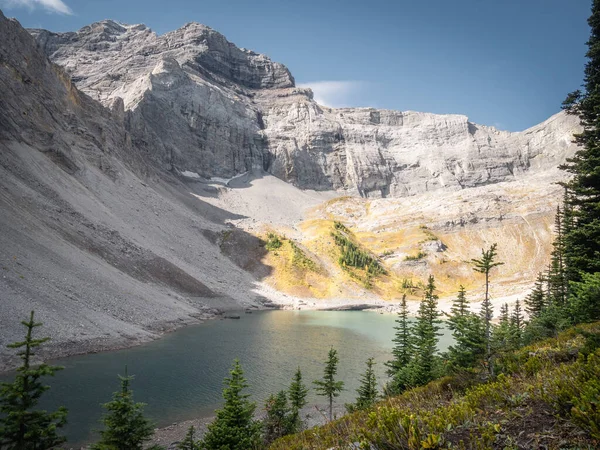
169, 436
53, 352
274, 301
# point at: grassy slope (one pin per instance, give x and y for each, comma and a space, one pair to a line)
524, 243
547, 396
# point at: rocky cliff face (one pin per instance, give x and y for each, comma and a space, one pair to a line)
201, 105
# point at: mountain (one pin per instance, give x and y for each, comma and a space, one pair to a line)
203, 106
141, 174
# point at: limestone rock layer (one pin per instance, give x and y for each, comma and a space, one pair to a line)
200, 105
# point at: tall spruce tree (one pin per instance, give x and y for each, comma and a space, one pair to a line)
517, 322
484, 265
582, 237
536, 300
125, 427
556, 276
504, 314
234, 427
403, 346
426, 337
330, 387
367, 391
467, 331
297, 393
22, 425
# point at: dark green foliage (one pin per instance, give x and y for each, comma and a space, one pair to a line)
22, 425
426, 337
283, 416
415, 360
585, 298
278, 419
517, 321
125, 427
553, 319
535, 302
556, 276
504, 314
468, 333
484, 265
367, 392
273, 242
189, 442
582, 239
297, 393
234, 427
460, 306
403, 346
329, 387
504, 336
353, 256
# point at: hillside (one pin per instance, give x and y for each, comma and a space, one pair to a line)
541, 399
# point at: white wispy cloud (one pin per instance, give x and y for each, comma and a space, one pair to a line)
334, 94
55, 6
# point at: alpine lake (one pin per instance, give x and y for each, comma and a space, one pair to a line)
180, 376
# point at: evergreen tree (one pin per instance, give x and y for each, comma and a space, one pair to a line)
504, 336
234, 427
189, 442
367, 392
460, 306
548, 323
426, 337
582, 240
125, 427
467, 331
328, 386
585, 298
297, 393
518, 322
535, 302
278, 420
403, 347
484, 265
556, 277
504, 314
22, 425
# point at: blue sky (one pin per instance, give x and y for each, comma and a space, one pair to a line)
506, 63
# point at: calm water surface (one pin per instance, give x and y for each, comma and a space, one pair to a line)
180, 376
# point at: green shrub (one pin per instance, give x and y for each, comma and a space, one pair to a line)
416, 257
353, 256
273, 242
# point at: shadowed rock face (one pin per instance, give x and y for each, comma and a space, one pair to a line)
200, 104
108, 249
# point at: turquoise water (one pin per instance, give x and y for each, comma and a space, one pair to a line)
180, 376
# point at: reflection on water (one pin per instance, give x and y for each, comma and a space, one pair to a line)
180, 376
